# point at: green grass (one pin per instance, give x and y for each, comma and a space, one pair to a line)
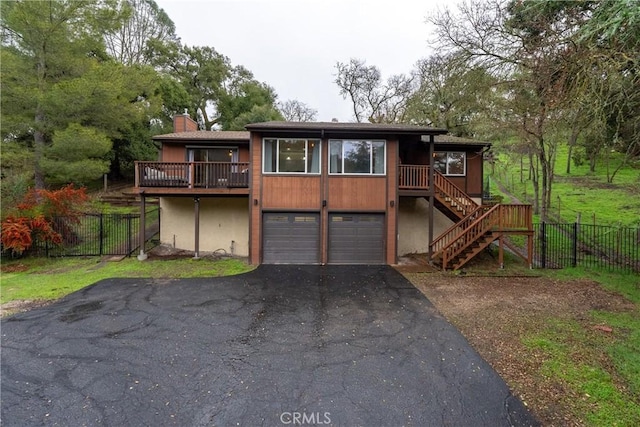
50, 279
624, 350
580, 192
600, 371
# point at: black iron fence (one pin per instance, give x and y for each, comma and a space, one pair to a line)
572, 245
98, 234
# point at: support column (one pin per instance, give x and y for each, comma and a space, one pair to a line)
431, 198
196, 249
143, 232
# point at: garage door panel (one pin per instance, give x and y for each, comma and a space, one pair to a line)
356, 239
291, 238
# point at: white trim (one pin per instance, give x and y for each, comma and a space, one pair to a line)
464, 162
371, 160
306, 153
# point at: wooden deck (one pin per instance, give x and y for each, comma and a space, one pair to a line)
192, 178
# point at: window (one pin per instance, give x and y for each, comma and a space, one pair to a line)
291, 156
450, 163
357, 157
218, 154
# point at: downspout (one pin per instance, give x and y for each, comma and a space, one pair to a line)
431, 198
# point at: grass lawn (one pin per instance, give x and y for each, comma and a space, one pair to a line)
602, 366
53, 278
580, 192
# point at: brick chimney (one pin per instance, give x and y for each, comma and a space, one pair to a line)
184, 123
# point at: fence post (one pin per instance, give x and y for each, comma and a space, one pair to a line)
101, 239
575, 245
129, 250
543, 243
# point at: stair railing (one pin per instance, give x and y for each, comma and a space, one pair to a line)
448, 188
455, 230
471, 234
504, 217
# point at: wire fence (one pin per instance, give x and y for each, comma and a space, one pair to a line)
98, 234
558, 245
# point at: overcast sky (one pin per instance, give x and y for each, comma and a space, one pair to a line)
293, 45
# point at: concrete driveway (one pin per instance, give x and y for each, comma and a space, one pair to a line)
282, 345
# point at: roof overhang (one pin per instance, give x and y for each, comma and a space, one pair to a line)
201, 136
334, 129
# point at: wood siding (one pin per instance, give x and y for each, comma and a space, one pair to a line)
391, 201
357, 193
291, 192
474, 174
173, 153
255, 232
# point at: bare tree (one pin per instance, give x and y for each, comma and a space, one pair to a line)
373, 99
528, 46
450, 95
296, 111
145, 24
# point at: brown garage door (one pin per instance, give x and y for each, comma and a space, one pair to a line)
290, 238
356, 238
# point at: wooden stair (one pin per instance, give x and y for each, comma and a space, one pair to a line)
475, 226
120, 199
450, 200
477, 229
469, 252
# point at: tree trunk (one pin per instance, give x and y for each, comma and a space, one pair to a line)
533, 174
546, 166
39, 139
38, 150
573, 140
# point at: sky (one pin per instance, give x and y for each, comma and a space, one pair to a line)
294, 45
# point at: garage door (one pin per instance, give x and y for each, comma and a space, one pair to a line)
356, 239
291, 238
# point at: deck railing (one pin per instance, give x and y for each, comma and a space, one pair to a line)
413, 177
192, 174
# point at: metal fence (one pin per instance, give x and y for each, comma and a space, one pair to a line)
98, 234
572, 245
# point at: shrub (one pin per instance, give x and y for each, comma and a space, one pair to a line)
37, 218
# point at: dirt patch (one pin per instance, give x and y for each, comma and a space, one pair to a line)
493, 313
168, 252
13, 268
20, 306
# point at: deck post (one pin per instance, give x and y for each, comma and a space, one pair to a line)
196, 250
143, 210
500, 252
431, 198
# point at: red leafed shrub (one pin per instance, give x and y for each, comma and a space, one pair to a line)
16, 234
63, 202
35, 218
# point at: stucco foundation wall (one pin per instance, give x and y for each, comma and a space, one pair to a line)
413, 225
222, 221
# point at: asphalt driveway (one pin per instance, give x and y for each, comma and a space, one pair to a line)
282, 345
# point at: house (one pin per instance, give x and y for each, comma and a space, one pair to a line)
318, 193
